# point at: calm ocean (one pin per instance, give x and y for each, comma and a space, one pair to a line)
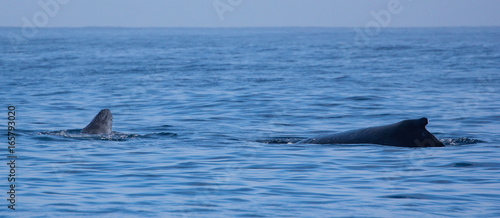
203, 116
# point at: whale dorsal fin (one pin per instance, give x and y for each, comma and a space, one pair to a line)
101, 124
422, 122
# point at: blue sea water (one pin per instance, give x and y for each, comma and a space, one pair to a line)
203, 117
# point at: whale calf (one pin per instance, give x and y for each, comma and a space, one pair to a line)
406, 133
101, 124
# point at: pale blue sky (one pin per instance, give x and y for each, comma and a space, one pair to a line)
202, 13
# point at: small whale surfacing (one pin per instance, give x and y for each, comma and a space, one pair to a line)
101, 124
100, 128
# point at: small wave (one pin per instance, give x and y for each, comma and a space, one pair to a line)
76, 134
461, 141
468, 164
363, 98
113, 136
408, 196
52, 93
168, 134
264, 80
281, 140
423, 197
293, 140
462, 164
391, 48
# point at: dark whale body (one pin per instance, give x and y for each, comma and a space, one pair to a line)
101, 124
407, 133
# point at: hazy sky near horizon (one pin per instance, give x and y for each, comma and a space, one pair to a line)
247, 13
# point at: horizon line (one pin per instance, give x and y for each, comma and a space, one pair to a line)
239, 27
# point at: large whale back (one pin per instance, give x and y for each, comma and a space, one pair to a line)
101, 124
410, 133
407, 133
